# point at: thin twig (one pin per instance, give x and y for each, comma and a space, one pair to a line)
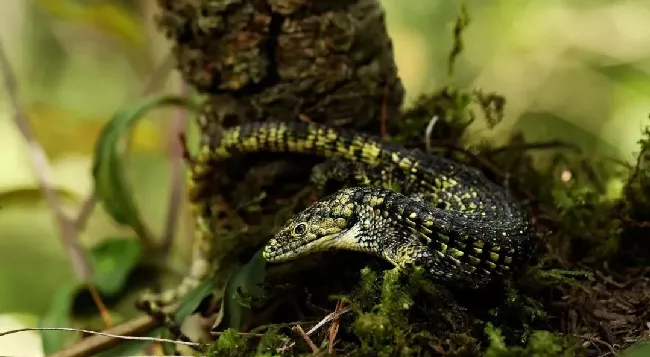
154, 81
102, 341
106, 316
42, 171
330, 317
326, 319
428, 131
310, 343
176, 176
85, 211
334, 328
99, 333
599, 342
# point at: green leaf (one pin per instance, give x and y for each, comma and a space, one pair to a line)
629, 73
563, 129
32, 195
639, 349
110, 185
113, 260
57, 316
169, 349
191, 301
244, 284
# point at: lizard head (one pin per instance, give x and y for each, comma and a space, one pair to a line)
325, 225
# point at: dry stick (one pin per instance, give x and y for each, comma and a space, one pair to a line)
109, 338
311, 344
176, 154
43, 174
334, 328
154, 81
103, 311
599, 342
331, 316
67, 230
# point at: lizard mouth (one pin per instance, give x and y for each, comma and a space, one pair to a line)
277, 252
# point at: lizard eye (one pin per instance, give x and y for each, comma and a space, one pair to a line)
300, 229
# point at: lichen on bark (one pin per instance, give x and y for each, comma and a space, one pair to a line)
329, 60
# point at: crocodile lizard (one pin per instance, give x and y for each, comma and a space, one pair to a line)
459, 249
450, 215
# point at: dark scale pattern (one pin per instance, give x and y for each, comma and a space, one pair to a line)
450, 184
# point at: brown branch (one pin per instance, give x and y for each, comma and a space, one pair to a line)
310, 343
68, 228
85, 211
334, 328
600, 342
111, 337
42, 171
106, 316
330, 317
104, 340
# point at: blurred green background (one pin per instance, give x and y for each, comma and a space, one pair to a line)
574, 70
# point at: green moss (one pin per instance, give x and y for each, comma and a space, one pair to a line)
382, 329
268, 344
230, 343
541, 344
234, 344
386, 324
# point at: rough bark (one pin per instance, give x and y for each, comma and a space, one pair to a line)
329, 60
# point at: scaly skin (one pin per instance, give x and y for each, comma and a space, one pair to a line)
469, 217
464, 250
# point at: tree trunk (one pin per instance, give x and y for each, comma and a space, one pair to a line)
328, 61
